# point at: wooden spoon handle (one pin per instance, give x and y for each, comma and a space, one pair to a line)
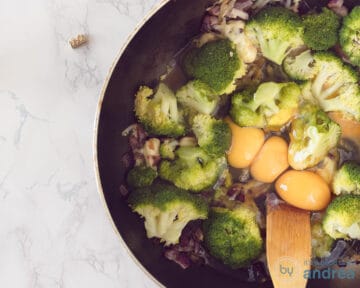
288, 245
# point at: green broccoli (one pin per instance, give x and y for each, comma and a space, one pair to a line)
242, 112
321, 243
217, 64
167, 209
321, 30
335, 86
350, 36
313, 134
332, 84
159, 113
188, 141
198, 96
167, 149
214, 136
307, 94
342, 217
141, 176
193, 169
277, 31
272, 105
347, 179
300, 67
233, 236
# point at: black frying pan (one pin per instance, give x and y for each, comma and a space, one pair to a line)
143, 60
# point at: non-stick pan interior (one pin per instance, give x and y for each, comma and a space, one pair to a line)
142, 62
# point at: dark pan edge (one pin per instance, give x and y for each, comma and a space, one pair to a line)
100, 190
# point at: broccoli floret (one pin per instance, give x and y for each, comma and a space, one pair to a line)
167, 149
234, 30
272, 105
188, 141
214, 136
313, 134
233, 236
217, 64
141, 176
347, 179
300, 67
242, 112
277, 31
321, 242
307, 94
321, 30
198, 96
335, 86
159, 113
167, 209
192, 169
350, 36
342, 217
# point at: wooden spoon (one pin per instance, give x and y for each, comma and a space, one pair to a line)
288, 244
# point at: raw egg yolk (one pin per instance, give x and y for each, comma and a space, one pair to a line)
246, 143
303, 189
271, 161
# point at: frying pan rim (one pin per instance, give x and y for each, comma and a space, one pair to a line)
105, 85
101, 97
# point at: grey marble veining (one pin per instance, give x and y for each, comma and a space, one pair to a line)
54, 232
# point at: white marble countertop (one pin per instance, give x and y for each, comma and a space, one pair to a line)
54, 231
